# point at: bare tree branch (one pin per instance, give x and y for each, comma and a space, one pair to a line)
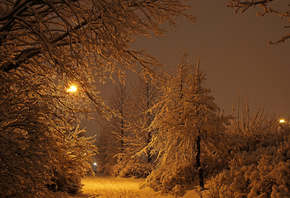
246, 4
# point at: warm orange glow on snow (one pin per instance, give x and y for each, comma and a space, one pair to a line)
107, 186
72, 89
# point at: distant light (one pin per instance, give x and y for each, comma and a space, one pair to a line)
282, 121
95, 163
72, 89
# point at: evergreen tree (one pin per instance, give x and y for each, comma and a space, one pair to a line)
188, 124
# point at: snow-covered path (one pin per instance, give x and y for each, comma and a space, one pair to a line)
101, 186
105, 186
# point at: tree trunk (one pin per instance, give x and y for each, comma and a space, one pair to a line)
149, 158
199, 168
122, 136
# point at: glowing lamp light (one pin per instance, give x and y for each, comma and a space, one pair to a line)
72, 89
282, 121
95, 163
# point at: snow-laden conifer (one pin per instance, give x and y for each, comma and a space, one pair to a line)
189, 128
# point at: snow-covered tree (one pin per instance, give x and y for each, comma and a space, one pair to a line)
124, 140
46, 45
138, 161
125, 137
112, 139
119, 103
189, 127
279, 9
145, 94
73, 36
39, 144
107, 149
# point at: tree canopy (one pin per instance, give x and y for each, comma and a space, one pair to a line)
45, 46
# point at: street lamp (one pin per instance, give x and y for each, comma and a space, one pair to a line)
95, 167
72, 89
282, 121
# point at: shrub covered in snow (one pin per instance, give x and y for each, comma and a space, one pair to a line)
72, 164
134, 167
260, 172
172, 178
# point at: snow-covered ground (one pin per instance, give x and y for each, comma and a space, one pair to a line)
101, 186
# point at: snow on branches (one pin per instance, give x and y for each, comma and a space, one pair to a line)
188, 125
245, 5
46, 45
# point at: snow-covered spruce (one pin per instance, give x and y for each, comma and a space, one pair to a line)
190, 129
